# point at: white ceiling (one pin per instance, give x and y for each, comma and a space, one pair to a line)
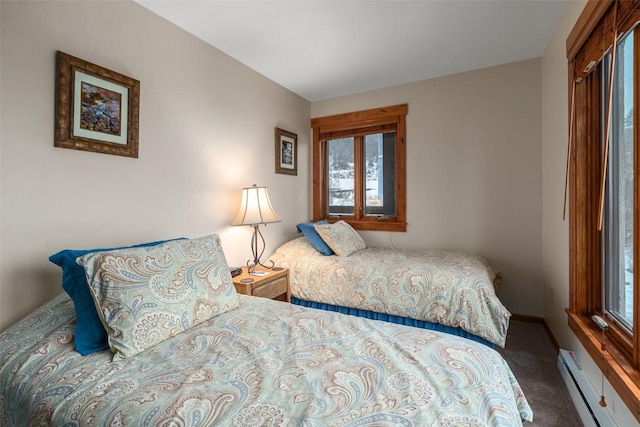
330, 48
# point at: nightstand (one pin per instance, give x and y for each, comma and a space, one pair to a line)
274, 285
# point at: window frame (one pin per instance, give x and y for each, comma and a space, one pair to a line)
618, 356
353, 124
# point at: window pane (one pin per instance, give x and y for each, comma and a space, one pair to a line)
340, 170
380, 161
618, 230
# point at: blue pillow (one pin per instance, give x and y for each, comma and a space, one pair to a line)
313, 237
90, 333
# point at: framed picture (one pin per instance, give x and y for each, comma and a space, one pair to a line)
286, 152
96, 109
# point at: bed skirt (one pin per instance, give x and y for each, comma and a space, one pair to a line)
393, 319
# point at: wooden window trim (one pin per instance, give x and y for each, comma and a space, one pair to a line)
613, 364
591, 37
361, 122
587, 22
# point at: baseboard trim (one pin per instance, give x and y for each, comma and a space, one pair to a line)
540, 321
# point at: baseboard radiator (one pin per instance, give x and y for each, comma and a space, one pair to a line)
582, 392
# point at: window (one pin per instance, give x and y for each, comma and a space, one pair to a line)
359, 168
605, 219
617, 232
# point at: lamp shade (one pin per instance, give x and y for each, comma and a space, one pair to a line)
255, 207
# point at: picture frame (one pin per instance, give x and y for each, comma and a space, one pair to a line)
96, 109
286, 152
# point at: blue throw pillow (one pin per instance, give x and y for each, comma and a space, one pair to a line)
90, 333
313, 237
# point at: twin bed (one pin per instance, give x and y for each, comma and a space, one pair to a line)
449, 291
185, 349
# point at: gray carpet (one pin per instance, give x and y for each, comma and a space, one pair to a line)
532, 358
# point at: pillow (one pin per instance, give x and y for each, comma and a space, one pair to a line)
90, 334
307, 228
147, 295
341, 237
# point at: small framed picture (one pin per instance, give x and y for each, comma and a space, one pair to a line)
286, 152
96, 109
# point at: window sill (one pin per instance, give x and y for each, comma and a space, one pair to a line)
371, 224
624, 379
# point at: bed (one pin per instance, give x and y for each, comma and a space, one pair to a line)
449, 291
251, 362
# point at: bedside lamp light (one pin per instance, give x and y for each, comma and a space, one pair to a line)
255, 209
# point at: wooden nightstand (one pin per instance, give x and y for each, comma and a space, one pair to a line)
274, 285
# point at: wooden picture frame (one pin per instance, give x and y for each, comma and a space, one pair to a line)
96, 109
286, 152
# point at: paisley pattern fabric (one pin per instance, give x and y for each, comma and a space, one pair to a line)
451, 288
267, 363
146, 295
341, 238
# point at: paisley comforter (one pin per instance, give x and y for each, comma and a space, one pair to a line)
450, 288
266, 363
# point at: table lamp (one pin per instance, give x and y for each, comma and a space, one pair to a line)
256, 209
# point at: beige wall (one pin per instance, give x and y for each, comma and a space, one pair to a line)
555, 231
473, 170
206, 130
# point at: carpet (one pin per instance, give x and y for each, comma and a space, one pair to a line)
532, 358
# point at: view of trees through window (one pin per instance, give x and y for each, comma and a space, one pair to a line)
341, 165
341, 174
617, 235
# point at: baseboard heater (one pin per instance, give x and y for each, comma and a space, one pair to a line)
582, 392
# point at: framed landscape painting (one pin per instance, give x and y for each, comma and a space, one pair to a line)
96, 109
286, 152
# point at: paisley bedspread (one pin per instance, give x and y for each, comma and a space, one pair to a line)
266, 363
451, 288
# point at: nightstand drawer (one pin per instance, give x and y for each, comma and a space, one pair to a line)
271, 289
273, 285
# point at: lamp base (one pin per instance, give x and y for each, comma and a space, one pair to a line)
251, 265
